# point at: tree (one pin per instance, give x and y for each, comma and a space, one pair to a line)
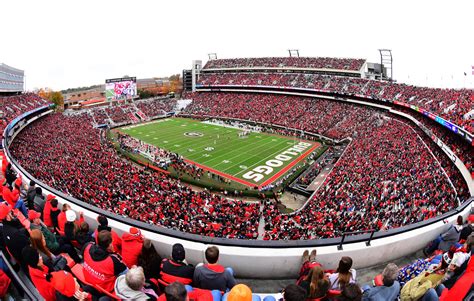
57, 98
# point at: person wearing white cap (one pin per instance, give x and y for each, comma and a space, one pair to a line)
71, 228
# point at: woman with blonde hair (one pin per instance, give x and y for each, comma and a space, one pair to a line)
315, 283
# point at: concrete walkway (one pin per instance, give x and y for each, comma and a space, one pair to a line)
364, 276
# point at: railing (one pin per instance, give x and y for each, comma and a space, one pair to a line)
367, 243
22, 284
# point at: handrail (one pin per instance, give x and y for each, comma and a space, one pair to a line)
367, 243
17, 280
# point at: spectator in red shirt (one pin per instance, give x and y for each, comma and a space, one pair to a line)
47, 211
101, 265
132, 243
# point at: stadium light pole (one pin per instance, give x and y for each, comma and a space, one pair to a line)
212, 56
386, 60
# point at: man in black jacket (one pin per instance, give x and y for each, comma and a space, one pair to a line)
14, 236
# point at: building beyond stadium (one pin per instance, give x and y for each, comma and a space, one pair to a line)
11, 79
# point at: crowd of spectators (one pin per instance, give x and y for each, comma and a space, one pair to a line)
131, 112
288, 62
396, 183
66, 261
451, 104
90, 169
161, 157
459, 146
156, 106
445, 274
13, 106
106, 266
322, 116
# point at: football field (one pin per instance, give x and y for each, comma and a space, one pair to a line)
256, 159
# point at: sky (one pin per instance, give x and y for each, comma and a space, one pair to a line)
66, 44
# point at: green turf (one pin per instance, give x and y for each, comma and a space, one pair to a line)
219, 147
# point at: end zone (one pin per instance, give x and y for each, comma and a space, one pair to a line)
270, 180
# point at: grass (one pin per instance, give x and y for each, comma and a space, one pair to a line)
220, 149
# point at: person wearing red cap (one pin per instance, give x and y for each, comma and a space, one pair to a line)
132, 243
15, 236
50, 238
20, 193
11, 197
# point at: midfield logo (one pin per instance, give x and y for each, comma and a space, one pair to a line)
193, 134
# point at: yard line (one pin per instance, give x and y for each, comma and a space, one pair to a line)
225, 155
250, 167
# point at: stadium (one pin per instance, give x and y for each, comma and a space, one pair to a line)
263, 158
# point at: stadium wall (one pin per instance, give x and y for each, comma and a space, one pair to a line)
252, 258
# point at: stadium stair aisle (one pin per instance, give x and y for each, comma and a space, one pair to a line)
261, 224
1, 160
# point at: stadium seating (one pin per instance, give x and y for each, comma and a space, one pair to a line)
451, 104
400, 170
388, 177
125, 113
96, 165
13, 106
288, 62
